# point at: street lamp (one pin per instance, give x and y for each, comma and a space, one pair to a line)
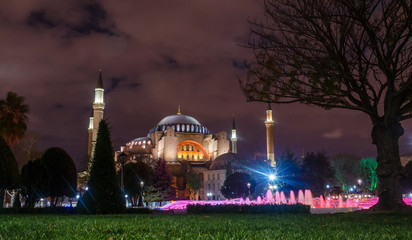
141, 194
248, 188
122, 159
209, 196
272, 177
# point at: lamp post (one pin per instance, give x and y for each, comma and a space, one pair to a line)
122, 159
248, 189
141, 194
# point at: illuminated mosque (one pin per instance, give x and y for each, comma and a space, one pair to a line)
181, 140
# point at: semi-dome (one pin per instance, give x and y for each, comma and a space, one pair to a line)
180, 123
223, 160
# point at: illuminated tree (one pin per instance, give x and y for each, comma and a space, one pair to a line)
369, 176
350, 54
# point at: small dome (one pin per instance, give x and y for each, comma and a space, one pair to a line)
223, 160
180, 123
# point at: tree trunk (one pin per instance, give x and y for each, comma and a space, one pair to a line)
2, 197
389, 170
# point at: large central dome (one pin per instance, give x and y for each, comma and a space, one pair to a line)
180, 123
173, 119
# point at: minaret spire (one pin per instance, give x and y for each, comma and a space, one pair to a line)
234, 138
269, 137
100, 81
96, 117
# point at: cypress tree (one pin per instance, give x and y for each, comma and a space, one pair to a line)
9, 172
104, 194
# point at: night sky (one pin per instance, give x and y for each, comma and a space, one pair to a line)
154, 56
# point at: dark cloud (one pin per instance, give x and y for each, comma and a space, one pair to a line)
39, 19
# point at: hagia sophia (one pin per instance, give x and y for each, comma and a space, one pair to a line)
181, 140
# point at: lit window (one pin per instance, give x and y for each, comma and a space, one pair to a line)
148, 142
140, 143
183, 128
144, 142
178, 128
193, 128
187, 128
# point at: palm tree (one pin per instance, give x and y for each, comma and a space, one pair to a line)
13, 118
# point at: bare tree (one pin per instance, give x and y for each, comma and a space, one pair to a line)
351, 54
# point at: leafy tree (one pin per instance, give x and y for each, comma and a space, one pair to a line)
347, 169
193, 183
368, 166
34, 181
9, 173
134, 173
13, 118
349, 54
60, 174
288, 171
316, 172
104, 194
235, 186
162, 182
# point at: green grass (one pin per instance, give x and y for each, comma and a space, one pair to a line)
215, 226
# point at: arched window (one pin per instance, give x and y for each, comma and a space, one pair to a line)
163, 127
178, 128
187, 128
192, 128
183, 127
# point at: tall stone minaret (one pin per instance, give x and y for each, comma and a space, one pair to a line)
234, 138
98, 108
269, 137
90, 130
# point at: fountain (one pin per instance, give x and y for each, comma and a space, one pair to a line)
292, 199
277, 197
301, 198
318, 205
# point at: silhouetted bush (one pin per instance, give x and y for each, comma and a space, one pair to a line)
248, 209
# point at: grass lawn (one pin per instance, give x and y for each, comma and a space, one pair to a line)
214, 226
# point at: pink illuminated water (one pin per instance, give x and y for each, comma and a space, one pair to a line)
280, 198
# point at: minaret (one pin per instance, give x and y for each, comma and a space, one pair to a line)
90, 130
269, 137
98, 108
234, 138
